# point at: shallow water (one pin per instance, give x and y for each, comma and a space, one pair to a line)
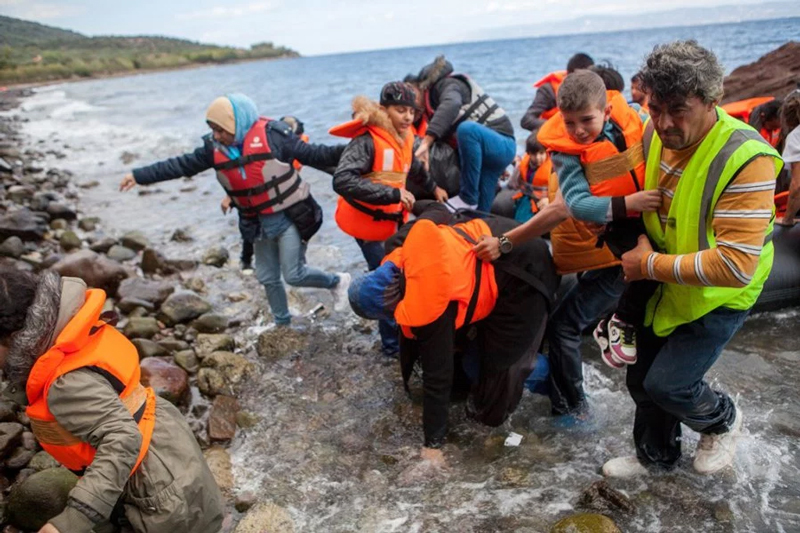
339, 438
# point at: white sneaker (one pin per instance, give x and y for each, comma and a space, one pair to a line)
715, 452
624, 467
339, 292
457, 203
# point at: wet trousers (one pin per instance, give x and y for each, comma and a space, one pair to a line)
667, 385
373, 253
484, 155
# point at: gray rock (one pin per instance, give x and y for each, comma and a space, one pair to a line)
19, 458
210, 382
103, 245
89, 184
42, 461
222, 420
141, 328
155, 292
20, 193
8, 411
135, 240
23, 223
245, 501
59, 224
169, 381
181, 235
88, 224
121, 253
9, 151
246, 419
603, 498
59, 210
187, 360
42, 199
195, 284
10, 437
96, 270
153, 262
148, 348
207, 344
180, 265
40, 497
174, 345
211, 323
216, 256
70, 241
127, 305
183, 307
5, 167
219, 462
12, 247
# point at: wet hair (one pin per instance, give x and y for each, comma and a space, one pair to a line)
612, 79
790, 112
771, 110
533, 146
17, 291
579, 61
679, 70
581, 90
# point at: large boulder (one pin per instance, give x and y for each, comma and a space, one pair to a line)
96, 270
154, 292
40, 497
25, 224
774, 74
170, 381
183, 307
586, 523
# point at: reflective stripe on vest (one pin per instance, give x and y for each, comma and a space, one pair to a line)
481, 108
728, 147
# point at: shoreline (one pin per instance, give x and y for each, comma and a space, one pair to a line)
136, 72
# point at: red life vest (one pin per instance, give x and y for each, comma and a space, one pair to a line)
609, 173
390, 167
555, 79
440, 267
257, 182
88, 342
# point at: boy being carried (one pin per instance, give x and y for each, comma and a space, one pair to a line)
596, 148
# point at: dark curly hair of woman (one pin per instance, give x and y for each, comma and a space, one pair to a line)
17, 291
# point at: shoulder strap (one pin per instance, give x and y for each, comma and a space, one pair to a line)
473, 300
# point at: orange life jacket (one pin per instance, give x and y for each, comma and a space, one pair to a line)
422, 129
744, 108
390, 167
535, 184
440, 267
88, 342
609, 173
555, 79
298, 166
257, 182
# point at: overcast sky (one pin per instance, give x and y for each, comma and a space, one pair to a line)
322, 26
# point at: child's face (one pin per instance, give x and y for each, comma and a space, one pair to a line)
585, 126
539, 158
402, 116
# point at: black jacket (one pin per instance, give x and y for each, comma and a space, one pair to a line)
357, 160
282, 141
544, 100
447, 96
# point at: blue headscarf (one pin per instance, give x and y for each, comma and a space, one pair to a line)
245, 114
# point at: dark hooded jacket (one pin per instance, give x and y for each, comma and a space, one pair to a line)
447, 95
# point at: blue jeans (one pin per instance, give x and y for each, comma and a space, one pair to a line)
667, 385
279, 248
373, 253
484, 155
596, 292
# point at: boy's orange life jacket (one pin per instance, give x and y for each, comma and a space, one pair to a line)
390, 167
609, 173
744, 108
257, 182
440, 267
88, 342
555, 79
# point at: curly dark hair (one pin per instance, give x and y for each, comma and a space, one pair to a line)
612, 79
682, 69
17, 291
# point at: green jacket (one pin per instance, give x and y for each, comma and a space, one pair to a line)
725, 150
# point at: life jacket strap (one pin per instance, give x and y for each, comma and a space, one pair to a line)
376, 214
264, 187
242, 161
279, 198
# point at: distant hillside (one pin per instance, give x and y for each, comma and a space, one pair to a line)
31, 52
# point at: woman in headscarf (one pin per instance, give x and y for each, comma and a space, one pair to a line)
254, 157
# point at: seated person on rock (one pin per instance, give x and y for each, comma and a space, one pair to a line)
139, 462
466, 321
